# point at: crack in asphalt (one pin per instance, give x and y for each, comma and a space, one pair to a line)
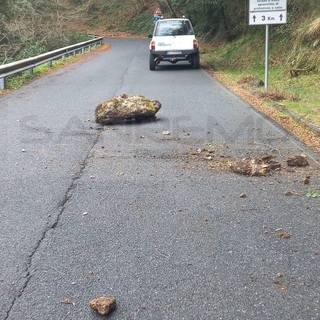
123, 76
61, 208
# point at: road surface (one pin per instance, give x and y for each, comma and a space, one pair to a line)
158, 221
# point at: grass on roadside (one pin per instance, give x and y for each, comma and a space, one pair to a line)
245, 58
18, 80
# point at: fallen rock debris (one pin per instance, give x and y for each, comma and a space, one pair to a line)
126, 107
306, 180
298, 161
260, 166
283, 235
67, 301
103, 305
288, 193
256, 167
282, 285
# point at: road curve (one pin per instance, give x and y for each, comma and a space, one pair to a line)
158, 221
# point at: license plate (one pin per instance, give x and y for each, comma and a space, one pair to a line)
174, 52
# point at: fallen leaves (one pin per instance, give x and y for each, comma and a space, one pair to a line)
251, 81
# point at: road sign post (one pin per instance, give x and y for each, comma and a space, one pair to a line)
266, 63
267, 12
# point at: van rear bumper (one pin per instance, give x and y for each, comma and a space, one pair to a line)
173, 55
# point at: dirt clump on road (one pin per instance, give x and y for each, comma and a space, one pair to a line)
103, 305
256, 166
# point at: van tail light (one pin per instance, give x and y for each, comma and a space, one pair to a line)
195, 44
153, 45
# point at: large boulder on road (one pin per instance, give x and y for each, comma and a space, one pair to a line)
126, 107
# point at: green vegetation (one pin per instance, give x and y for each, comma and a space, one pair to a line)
294, 86
133, 17
227, 42
233, 47
16, 81
294, 74
311, 193
28, 28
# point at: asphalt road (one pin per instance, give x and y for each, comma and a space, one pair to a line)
125, 211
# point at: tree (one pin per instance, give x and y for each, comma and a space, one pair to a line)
29, 28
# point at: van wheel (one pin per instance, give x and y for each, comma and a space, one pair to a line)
152, 63
195, 61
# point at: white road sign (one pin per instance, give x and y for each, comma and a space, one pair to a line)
272, 17
267, 5
267, 12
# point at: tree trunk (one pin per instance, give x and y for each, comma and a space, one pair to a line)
168, 4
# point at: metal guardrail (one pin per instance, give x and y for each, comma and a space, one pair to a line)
29, 63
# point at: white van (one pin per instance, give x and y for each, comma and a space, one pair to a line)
173, 40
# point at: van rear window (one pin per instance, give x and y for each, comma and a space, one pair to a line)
173, 28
